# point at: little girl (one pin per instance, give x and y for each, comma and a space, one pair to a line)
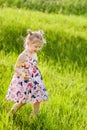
27, 85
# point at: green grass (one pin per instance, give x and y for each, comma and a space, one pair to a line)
65, 109
63, 63
50, 6
67, 40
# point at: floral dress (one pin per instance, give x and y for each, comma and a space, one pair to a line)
31, 90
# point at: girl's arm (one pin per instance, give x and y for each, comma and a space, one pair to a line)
19, 63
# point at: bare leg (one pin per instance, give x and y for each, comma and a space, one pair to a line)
16, 107
36, 108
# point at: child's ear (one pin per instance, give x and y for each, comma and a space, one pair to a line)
29, 32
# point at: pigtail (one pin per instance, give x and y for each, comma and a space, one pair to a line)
29, 32
41, 32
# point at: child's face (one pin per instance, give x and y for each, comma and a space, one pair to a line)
34, 47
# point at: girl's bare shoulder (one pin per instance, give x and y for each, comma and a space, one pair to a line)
22, 57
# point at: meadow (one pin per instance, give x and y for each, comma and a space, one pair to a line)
63, 63
77, 7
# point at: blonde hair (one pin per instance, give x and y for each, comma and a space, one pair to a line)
34, 36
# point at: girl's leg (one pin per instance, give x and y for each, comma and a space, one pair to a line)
16, 107
36, 108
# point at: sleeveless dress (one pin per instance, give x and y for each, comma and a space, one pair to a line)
31, 90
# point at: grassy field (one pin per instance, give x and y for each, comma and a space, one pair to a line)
63, 63
77, 7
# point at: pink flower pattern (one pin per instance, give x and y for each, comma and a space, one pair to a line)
27, 91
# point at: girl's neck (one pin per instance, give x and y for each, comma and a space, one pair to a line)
28, 51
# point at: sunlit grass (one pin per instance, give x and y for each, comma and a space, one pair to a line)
66, 40
65, 108
63, 64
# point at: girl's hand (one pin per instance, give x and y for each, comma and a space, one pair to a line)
26, 77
